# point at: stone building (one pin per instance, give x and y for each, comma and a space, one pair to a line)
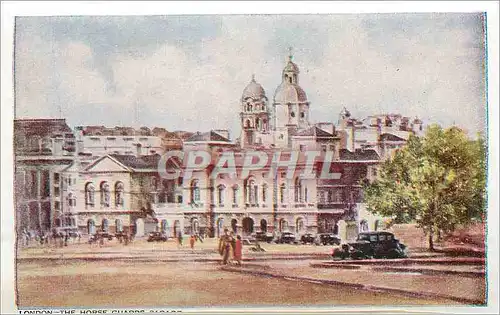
43, 148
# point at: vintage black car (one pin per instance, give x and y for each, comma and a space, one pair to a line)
286, 238
373, 245
105, 235
307, 238
157, 237
264, 237
327, 239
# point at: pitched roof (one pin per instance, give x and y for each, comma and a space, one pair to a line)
41, 127
358, 155
134, 162
314, 131
207, 137
390, 137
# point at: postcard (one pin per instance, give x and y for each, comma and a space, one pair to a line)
182, 160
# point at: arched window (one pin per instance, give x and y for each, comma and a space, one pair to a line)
282, 193
298, 190
118, 225
91, 226
253, 192
104, 194
264, 193
235, 194
119, 194
195, 191
220, 195
89, 194
105, 225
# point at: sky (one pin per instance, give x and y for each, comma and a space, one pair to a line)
188, 72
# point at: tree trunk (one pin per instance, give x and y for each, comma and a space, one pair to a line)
431, 239
439, 236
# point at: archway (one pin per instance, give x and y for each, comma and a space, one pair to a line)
177, 227
139, 228
299, 225
164, 226
247, 226
263, 225
234, 225
283, 226
195, 226
91, 226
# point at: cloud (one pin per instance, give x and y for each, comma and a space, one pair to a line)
188, 72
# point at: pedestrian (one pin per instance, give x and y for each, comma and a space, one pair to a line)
66, 238
192, 240
179, 239
238, 250
79, 235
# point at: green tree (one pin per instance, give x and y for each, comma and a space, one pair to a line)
437, 181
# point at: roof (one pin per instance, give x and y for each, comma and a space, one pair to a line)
358, 155
41, 127
253, 90
141, 162
207, 137
390, 137
314, 131
289, 93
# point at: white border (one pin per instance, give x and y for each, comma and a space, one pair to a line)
11, 9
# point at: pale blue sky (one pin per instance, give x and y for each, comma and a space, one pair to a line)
188, 72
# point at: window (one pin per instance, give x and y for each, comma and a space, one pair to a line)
292, 114
282, 193
89, 194
71, 200
302, 148
220, 195
235, 195
104, 188
195, 191
57, 205
56, 178
264, 193
302, 115
105, 225
252, 191
330, 196
56, 191
298, 190
119, 194
118, 225
323, 147
305, 194
332, 147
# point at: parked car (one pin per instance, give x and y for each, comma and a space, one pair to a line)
327, 239
373, 245
105, 235
157, 237
307, 238
286, 237
264, 237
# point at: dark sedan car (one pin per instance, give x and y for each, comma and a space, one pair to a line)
264, 237
307, 238
373, 245
327, 239
157, 237
286, 238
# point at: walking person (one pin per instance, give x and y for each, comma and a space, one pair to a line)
192, 240
238, 250
179, 239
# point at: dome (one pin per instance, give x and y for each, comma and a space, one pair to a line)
289, 93
253, 90
291, 66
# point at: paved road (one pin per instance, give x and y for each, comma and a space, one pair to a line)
181, 284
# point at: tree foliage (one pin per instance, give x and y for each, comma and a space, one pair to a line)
437, 181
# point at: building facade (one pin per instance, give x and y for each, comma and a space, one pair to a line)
113, 183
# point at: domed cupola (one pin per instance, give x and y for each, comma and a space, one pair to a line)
291, 107
253, 91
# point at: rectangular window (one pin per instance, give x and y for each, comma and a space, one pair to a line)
45, 183
235, 196
56, 191
56, 178
57, 205
264, 193
323, 147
